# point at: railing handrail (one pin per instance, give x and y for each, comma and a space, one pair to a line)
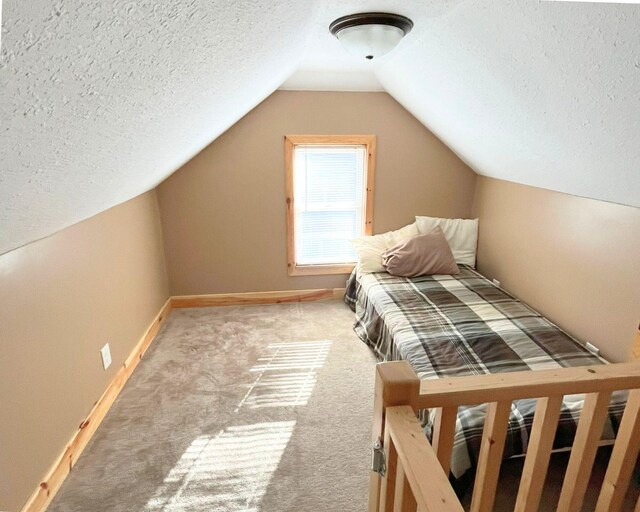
399, 392
499, 387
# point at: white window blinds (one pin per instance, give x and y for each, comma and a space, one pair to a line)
329, 201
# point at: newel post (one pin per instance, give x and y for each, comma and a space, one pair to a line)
396, 384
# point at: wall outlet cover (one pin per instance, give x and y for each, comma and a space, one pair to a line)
105, 352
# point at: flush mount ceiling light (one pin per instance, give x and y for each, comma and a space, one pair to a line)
370, 34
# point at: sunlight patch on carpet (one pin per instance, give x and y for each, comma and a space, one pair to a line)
287, 374
229, 472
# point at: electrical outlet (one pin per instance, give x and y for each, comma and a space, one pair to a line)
496, 282
105, 352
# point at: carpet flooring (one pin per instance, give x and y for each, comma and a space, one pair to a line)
260, 408
254, 408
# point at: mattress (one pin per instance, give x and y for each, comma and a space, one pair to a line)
448, 326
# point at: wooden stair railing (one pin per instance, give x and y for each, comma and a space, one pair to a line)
409, 454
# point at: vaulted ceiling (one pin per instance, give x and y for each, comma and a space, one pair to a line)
100, 101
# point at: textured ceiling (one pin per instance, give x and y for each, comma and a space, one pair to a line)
100, 101
541, 93
103, 100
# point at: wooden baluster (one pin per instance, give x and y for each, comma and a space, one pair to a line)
396, 384
490, 457
545, 423
585, 445
444, 429
623, 457
404, 499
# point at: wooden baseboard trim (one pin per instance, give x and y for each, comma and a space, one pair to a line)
42, 496
240, 299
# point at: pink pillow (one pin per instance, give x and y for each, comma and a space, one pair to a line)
421, 255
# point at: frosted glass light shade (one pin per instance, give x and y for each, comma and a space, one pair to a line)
370, 41
371, 34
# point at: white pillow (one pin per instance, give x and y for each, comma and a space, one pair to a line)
370, 248
462, 235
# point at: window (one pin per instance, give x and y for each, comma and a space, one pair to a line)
329, 189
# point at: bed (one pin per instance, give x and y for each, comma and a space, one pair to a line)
448, 326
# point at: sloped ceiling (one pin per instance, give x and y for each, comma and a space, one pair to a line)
541, 93
100, 101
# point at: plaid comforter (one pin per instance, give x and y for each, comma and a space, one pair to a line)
447, 326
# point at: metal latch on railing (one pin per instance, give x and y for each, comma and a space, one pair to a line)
378, 461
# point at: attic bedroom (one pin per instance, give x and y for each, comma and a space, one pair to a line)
341, 256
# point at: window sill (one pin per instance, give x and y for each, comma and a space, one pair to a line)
317, 270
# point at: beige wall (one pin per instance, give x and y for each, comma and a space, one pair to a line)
223, 213
576, 260
62, 298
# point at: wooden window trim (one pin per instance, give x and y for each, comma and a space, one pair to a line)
290, 141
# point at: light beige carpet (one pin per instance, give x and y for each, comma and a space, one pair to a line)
264, 408
237, 409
